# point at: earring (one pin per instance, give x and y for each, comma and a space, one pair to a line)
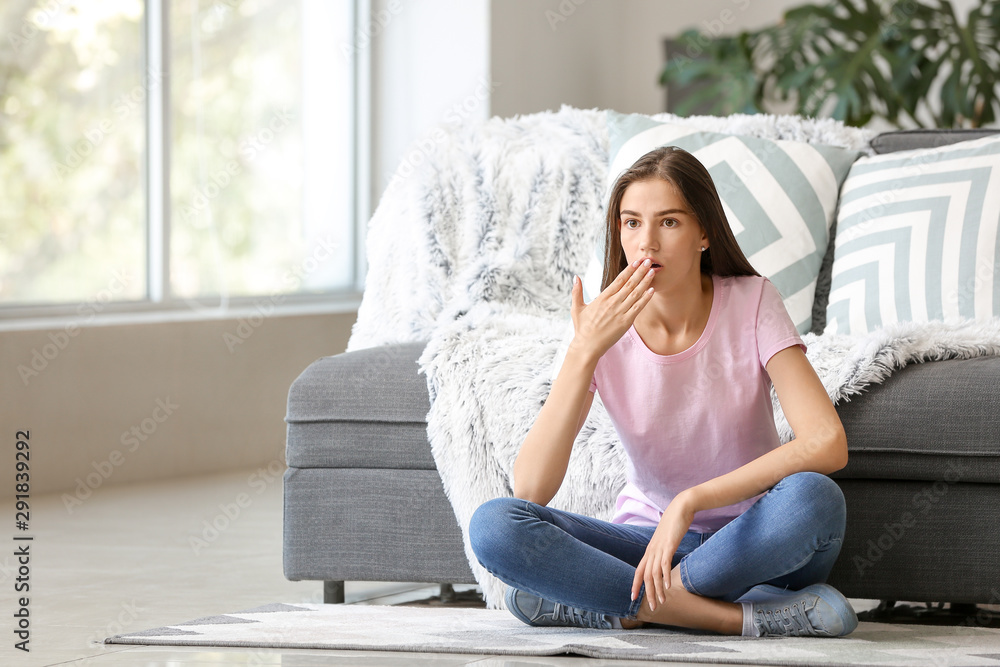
703, 248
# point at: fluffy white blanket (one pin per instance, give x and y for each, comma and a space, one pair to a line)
474, 251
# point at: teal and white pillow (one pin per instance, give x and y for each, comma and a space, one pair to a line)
780, 198
917, 238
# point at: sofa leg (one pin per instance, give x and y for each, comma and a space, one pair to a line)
333, 592
447, 593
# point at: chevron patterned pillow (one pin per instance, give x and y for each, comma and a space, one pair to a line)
779, 196
917, 238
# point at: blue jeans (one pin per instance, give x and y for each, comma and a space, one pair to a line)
789, 538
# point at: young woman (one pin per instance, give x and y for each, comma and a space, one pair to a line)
718, 527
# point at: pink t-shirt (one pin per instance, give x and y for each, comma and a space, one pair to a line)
690, 417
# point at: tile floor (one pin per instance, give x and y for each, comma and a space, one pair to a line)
129, 558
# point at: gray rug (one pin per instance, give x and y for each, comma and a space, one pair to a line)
495, 632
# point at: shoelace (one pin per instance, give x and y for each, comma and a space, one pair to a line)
579, 617
787, 621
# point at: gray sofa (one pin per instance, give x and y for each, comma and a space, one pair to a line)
363, 500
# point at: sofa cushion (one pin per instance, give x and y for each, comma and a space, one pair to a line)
361, 409
937, 420
376, 384
917, 238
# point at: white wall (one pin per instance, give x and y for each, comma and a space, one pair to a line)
430, 66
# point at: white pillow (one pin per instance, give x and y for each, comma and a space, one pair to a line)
917, 238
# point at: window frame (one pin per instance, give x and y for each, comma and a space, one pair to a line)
160, 305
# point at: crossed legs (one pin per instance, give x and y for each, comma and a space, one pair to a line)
789, 538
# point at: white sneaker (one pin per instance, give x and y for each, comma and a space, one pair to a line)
817, 611
534, 610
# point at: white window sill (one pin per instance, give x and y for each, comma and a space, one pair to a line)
115, 314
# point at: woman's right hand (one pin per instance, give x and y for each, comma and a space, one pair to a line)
598, 325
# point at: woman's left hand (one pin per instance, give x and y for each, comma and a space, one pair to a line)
654, 568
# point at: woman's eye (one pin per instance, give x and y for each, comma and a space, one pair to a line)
670, 220
628, 223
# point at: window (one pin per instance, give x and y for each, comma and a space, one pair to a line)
176, 153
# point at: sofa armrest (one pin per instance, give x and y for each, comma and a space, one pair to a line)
376, 384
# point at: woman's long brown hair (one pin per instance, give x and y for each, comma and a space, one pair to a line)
724, 257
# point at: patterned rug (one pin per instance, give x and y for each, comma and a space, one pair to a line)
496, 632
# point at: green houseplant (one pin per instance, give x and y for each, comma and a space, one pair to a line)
905, 61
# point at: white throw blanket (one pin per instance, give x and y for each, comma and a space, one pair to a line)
475, 251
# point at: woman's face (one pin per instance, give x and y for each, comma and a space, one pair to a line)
656, 222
